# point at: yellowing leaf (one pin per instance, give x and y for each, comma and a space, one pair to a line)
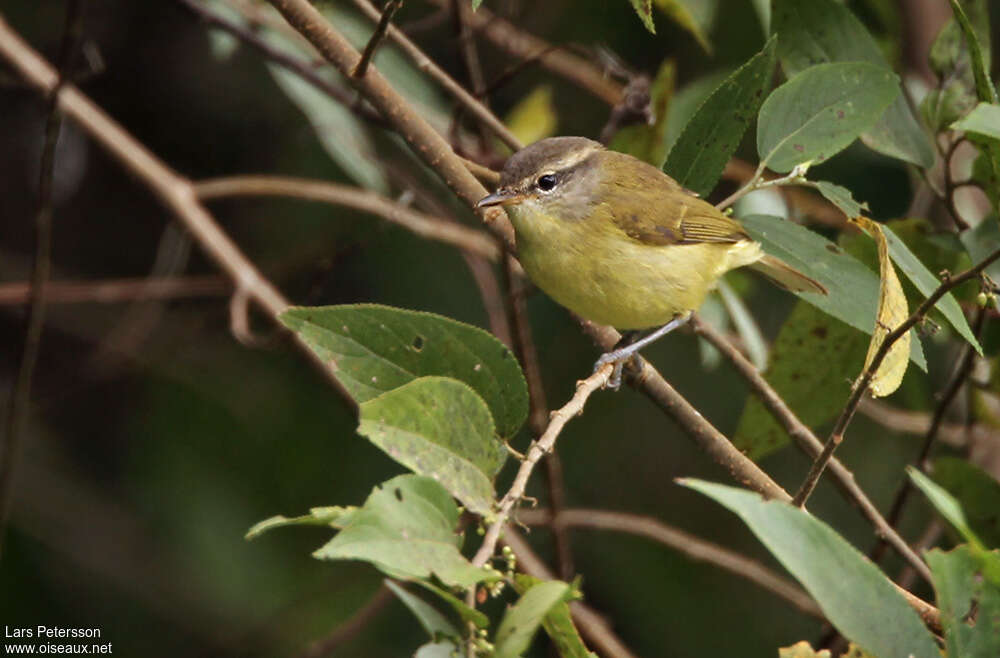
892, 312
534, 117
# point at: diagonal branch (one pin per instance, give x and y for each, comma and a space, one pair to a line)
809, 443
391, 7
864, 380
174, 191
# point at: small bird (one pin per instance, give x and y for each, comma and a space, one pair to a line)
619, 242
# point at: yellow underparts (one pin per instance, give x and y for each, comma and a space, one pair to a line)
598, 272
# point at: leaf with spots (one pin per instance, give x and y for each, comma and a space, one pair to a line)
820, 111
406, 528
842, 198
711, 136
438, 427
644, 8
375, 349
825, 31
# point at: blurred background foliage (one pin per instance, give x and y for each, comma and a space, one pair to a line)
156, 440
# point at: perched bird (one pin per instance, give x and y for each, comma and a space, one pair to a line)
619, 242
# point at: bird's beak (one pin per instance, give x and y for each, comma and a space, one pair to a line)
500, 198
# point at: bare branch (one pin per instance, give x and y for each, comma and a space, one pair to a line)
423, 139
864, 380
538, 449
809, 443
694, 547
383, 24
114, 291
467, 239
20, 396
354, 624
176, 193
521, 44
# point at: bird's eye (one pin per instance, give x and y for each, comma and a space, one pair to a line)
546, 182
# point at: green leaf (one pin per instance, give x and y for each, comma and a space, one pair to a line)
978, 493
378, 348
333, 517
406, 528
967, 584
980, 66
710, 138
436, 624
855, 596
686, 103
853, 288
983, 120
821, 110
649, 142
644, 8
476, 4
946, 505
927, 283
524, 617
824, 31
679, 13
439, 427
813, 361
558, 623
842, 198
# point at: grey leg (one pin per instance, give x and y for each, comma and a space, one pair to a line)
621, 355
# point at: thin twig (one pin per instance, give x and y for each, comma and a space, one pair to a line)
426, 226
439, 75
519, 43
694, 547
539, 409
808, 442
538, 449
951, 390
175, 192
422, 138
809, 204
864, 380
115, 291
20, 396
759, 182
350, 628
592, 625
383, 24
713, 442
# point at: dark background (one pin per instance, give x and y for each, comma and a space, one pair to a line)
155, 440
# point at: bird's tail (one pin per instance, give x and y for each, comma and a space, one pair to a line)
787, 276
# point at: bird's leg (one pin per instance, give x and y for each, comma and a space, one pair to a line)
627, 346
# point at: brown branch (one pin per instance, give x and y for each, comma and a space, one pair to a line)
951, 390
652, 384
174, 191
538, 449
20, 396
694, 547
591, 624
519, 43
915, 422
809, 443
439, 75
422, 138
539, 409
383, 24
350, 628
864, 380
426, 226
115, 291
